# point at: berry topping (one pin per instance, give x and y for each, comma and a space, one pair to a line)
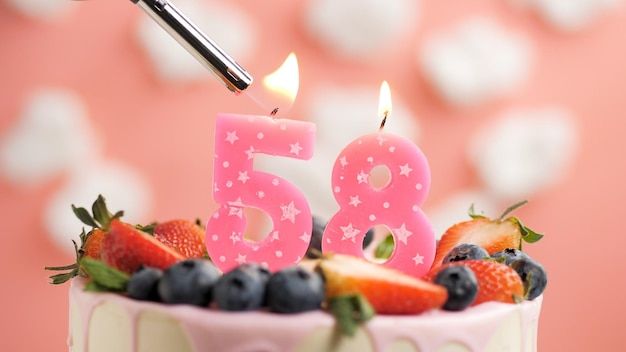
461, 284
496, 281
465, 251
143, 283
533, 276
190, 281
509, 255
126, 248
184, 236
493, 235
389, 291
242, 288
295, 289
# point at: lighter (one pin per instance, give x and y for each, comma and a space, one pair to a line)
234, 77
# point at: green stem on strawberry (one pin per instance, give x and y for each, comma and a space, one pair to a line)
350, 311
103, 277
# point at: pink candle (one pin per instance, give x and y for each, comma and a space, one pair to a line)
237, 185
397, 205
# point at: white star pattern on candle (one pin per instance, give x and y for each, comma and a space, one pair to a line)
295, 148
241, 259
243, 176
250, 152
231, 137
274, 236
405, 170
380, 140
362, 177
349, 233
236, 208
418, 259
235, 237
402, 233
289, 212
343, 161
354, 201
305, 237
215, 188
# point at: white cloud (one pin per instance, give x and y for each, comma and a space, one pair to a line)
524, 151
52, 134
357, 29
475, 61
41, 9
569, 15
223, 22
122, 187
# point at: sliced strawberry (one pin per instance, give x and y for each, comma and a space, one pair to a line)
493, 235
389, 291
126, 248
496, 281
186, 237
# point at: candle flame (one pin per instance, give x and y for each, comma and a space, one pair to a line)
285, 80
384, 103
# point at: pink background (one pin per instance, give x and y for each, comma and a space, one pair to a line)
164, 132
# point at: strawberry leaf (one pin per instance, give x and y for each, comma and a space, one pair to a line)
510, 209
105, 277
385, 248
472, 213
528, 235
350, 311
83, 215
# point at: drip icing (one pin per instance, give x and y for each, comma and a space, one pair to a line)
215, 330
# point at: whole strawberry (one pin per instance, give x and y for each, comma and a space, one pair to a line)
496, 281
186, 237
387, 290
492, 235
126, 248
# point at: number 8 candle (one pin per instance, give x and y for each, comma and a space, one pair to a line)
237, 185
397, 205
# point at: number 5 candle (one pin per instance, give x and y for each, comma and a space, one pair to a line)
237, 185
397, 205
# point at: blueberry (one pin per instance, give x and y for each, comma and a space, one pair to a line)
188, 282
143, 283
461, 284
533, 276
315, 245
465, 251
242, 288
369, 236
295, 289
510, 254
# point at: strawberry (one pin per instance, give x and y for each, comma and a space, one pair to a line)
184, 236
126, 248
493, 235
496, 281
389, 291
91, 248
99, 222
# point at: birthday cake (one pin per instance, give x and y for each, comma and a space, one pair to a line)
153, 288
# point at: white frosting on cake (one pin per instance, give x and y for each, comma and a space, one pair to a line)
111, 322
